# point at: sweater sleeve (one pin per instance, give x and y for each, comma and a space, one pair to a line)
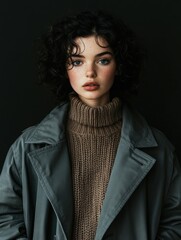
11, 209
170, 223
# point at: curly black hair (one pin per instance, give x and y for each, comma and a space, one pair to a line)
60, 41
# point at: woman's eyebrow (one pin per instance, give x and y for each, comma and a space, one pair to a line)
76, 55
104, 53
97, 55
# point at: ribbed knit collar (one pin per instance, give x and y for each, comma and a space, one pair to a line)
100, 116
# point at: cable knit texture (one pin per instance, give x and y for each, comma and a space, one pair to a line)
93, 136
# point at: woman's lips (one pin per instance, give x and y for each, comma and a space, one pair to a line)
91, 86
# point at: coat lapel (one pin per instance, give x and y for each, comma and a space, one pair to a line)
130, 167
52, 165
53, 169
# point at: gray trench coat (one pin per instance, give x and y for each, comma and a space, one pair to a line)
143, 198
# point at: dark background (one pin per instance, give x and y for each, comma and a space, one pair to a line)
23, 103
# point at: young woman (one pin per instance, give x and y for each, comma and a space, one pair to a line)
93, 168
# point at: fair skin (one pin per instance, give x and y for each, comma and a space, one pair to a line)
91, 72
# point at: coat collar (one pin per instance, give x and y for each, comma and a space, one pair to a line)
135, 130
51, 130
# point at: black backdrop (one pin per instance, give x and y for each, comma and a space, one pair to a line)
23, 103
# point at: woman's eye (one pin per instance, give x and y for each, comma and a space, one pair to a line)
76, 63
104, 61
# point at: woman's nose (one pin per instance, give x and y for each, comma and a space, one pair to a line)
91, 71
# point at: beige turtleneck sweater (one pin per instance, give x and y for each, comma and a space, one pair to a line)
93, 136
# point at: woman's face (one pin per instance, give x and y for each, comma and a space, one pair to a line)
91, 71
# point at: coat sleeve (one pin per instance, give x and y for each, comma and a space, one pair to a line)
11, 209
170, 223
